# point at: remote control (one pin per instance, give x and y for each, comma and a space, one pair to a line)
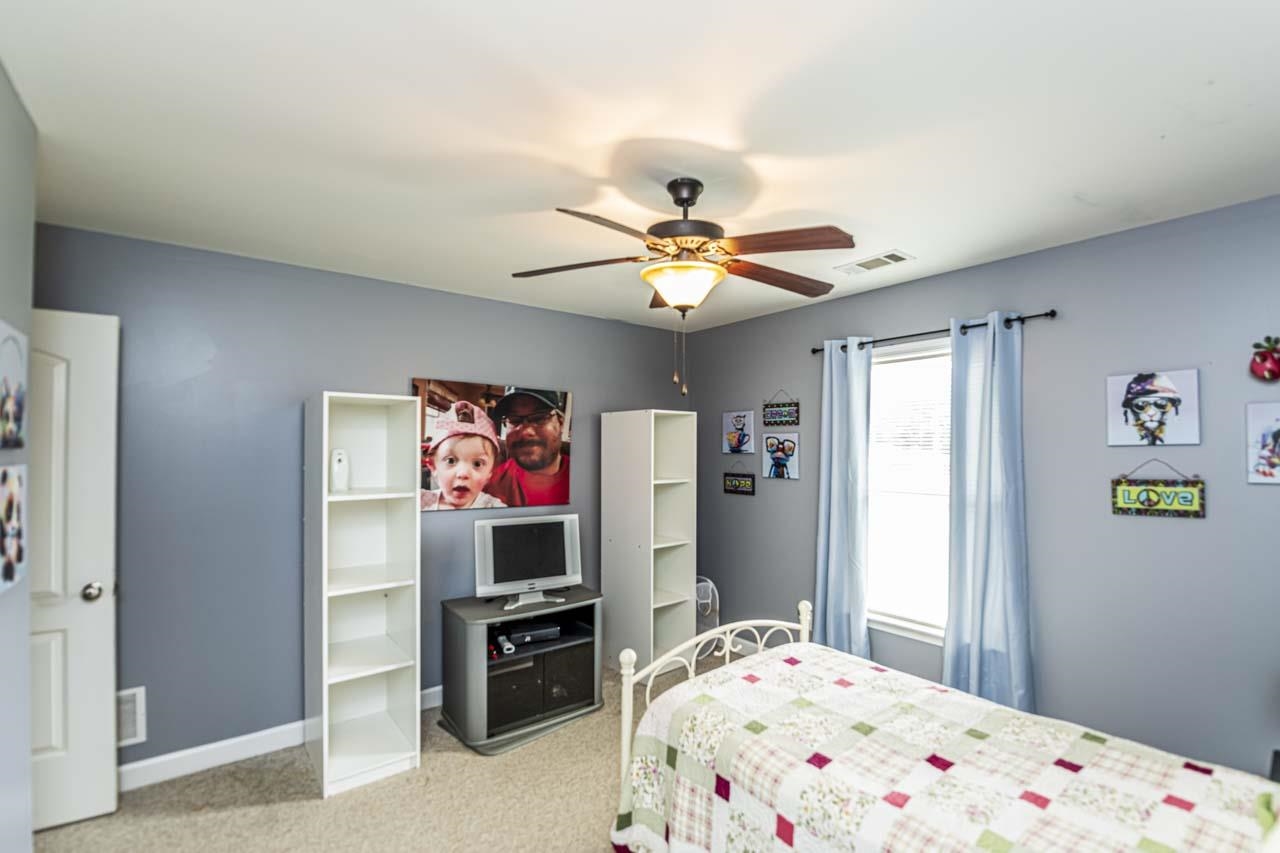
507, 646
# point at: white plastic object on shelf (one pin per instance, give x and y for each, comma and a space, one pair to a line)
339, 471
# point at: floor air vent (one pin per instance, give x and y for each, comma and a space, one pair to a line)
888, 259
131, 716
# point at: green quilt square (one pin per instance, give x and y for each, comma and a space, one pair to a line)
978, 735
801, 702
1090, 736
704, 699
755, 727
1149, 846
988, 840
672, 754
864, 728
624, 820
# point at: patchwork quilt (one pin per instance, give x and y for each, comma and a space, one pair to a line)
802, 747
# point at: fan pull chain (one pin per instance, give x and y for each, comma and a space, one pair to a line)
684, 361
675, 359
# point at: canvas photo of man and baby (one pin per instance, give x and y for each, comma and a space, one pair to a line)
488, 446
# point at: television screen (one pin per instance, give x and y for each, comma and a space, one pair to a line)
528, 551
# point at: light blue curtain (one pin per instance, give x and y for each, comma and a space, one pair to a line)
840, 611
987, 650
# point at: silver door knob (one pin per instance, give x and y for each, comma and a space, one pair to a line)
91, 591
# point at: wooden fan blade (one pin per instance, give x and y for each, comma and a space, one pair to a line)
609, 223
780, 278
530, 273
794, 240
657, 301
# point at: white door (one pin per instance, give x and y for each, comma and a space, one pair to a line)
72, 564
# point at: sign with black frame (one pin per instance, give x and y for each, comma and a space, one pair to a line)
739, 484
1167, 498
786, 413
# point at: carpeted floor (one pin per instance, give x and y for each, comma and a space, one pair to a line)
557, 793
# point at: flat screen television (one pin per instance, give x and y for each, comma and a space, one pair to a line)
521, 557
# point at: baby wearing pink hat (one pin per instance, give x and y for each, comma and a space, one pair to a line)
462, 460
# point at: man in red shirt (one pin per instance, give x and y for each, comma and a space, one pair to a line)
536, 471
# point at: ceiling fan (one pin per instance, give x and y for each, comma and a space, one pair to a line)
688, 257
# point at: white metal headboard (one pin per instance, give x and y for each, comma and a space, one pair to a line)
686, 655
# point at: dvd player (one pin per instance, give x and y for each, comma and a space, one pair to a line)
534, 633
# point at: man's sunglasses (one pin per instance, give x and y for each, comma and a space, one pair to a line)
536, 419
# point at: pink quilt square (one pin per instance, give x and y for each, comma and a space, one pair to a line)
1208, 771
751, 678
879, 669
896, 798
843, 682
1040, 801
722, 787
1179, 803
1068, 765
791, 661
785, 831
818, 760
939, 762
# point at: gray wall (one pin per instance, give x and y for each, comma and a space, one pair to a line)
17, 222
1162, 630
217, 355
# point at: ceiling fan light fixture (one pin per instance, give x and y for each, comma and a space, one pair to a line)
683, 284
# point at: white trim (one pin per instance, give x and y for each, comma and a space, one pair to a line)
918, 631
148, 771
183, 762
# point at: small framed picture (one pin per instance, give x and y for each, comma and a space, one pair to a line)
739, 484
13, 523
782, 456
13, 387
1262, 422
1155, 407
737, 432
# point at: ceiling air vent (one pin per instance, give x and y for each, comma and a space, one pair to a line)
874, 263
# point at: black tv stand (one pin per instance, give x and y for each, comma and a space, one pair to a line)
495, 705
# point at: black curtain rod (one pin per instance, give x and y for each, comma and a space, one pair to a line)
1008, 324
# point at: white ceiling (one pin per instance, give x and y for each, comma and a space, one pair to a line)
427, 143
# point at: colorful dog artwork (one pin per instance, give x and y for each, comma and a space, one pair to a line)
782, 456
1151, 408
1263, 429
13, 387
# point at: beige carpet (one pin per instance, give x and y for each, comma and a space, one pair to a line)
557, 793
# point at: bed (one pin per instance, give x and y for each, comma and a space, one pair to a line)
798, 746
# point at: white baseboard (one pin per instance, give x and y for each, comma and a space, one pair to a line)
171, 765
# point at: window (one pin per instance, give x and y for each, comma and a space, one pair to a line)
909, 482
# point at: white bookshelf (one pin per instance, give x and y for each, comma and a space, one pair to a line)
361, 610
648, 519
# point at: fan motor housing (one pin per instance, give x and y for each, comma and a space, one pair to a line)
675, 228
